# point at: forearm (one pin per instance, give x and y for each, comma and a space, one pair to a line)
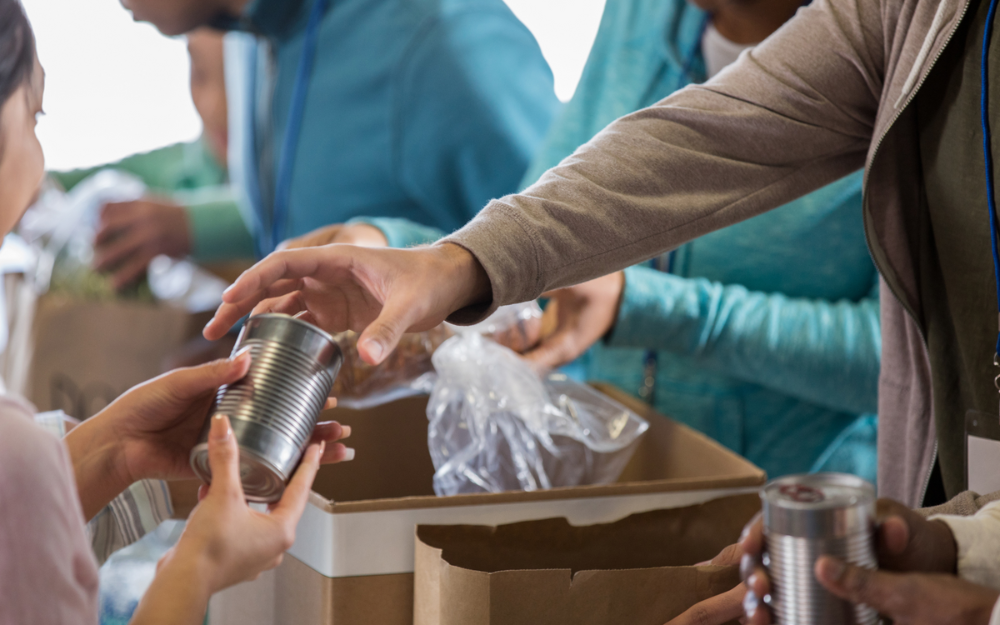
95, 454
178, 595
778, 125
822, 351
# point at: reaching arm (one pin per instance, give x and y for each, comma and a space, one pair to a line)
794, 114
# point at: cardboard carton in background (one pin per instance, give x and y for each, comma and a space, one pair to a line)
637, 570
353, 558
78, 356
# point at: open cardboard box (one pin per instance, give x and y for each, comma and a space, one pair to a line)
641, 570
353, 558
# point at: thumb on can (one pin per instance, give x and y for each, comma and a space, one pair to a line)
224, 458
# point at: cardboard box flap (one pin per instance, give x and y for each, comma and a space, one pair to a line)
674, 537
635, 571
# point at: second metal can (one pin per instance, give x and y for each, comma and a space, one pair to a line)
806, 516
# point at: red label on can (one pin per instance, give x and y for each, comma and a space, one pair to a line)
800, 493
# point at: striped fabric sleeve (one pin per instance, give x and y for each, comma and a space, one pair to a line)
132, 515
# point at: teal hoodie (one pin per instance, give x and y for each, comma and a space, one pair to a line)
423, 109
767, 331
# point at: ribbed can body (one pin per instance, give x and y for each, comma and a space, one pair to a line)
274, 409
808, 516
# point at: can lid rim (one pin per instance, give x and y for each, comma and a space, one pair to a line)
275, 315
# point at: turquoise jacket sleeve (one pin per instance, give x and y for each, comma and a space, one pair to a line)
822, 351
401, 232
465, 135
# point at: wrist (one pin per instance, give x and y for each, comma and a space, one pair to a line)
991, 607
179, 593
466, 270
96, 454
191, 564
945, 556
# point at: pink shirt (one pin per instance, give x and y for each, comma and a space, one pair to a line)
48, 575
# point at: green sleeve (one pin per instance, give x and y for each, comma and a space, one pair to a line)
157, 169
178, 167
218, 231
401, 232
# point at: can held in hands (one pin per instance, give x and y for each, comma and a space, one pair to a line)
274, 409
806, 516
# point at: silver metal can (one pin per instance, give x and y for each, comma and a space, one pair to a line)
274, 409
806, 516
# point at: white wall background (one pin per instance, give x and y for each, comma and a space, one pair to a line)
114, 88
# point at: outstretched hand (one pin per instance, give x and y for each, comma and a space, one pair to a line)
381, 293
904, 541
148, 432
909, 598
584, 314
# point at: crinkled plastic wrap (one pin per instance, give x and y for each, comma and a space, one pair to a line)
496, 426
409, 371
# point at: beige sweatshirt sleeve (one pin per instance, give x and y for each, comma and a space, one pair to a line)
790, 116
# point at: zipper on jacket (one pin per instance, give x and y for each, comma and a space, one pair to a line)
878, 144
930, 474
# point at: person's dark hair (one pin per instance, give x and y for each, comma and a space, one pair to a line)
17, 48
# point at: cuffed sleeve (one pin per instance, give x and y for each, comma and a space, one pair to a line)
399, 232
132, 515
218, 231
977, 539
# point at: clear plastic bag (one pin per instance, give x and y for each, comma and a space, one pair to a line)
409, 371
495, 425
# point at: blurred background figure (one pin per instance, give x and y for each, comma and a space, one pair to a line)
422, 110
187, 183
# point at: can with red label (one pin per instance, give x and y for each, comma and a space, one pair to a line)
806, 516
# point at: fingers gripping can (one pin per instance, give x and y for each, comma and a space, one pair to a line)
806, 516
274, 409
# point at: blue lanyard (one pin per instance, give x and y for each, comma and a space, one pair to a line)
286, 161
651, 360
984, 100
